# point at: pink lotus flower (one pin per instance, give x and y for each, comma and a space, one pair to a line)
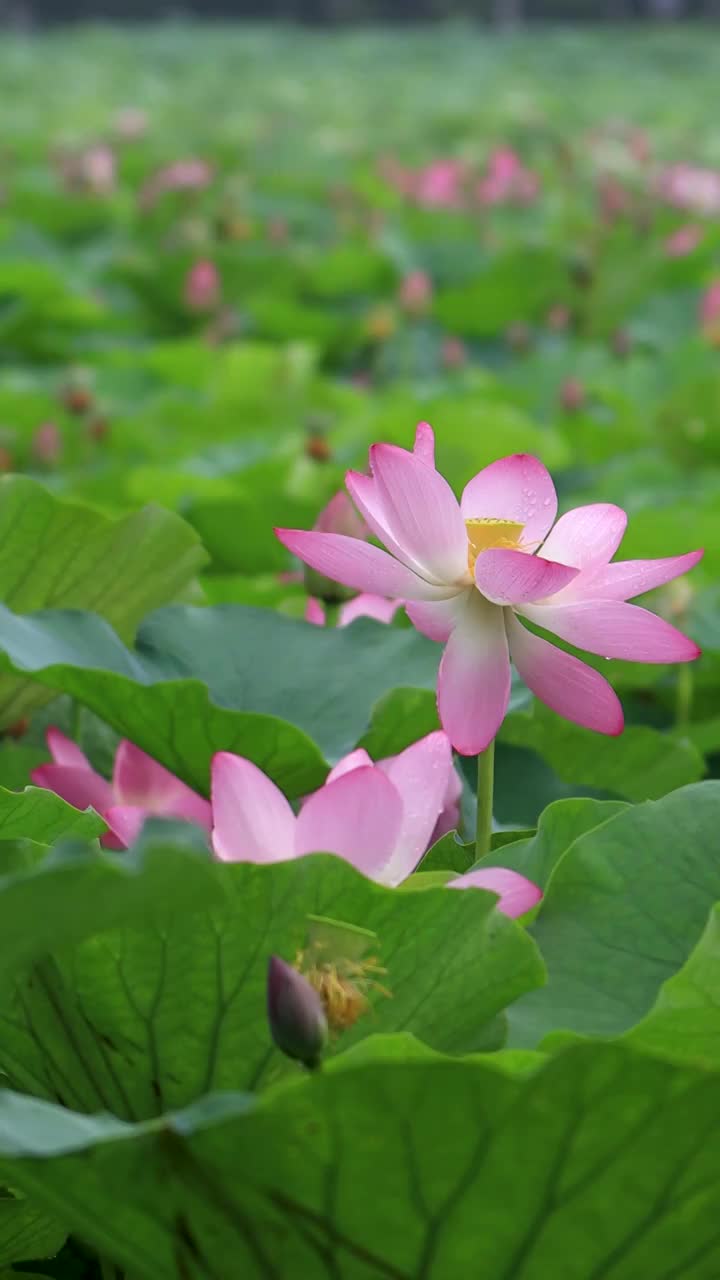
362, 606
140, 788
183, 175
507, 180
415, 293
201, 290
380, 817
687, 186
47, 443
683, 241
710, 312
469, 572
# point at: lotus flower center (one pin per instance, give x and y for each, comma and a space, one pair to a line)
487, 533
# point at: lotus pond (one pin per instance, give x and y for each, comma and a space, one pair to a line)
359, 664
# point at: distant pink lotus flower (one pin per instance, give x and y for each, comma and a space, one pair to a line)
415, 294
362, 606
710, 312
201, 290
690, 187
438, 185
683, 241
380, 817
140, 788
90, 169
47, 443
507, 180
469, 571
453, 353
183, 175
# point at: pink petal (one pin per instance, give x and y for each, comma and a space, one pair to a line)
366, 496
367, 606
511, 577
517, 895
421, 512
437, 619
421, 775
358, 564
314, 612
517, 488
355, 760
139, 781
563, 682
253, 821
614, 630
474, 677
587, 536
64, 751
424, 447
357, 817
449, 816
628, 578
125, 822
81, 787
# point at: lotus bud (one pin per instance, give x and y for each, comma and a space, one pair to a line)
295, 1013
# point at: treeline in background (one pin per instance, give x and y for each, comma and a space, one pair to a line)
504, 13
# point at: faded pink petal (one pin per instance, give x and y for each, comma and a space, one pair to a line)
511, 577
64, 751
421, 775
563, 682
252, 820
357, 817
125, 822
587, 536
340, 516
421, 512
314, 612
517, 895
356, 759
424, 446
139, 781
80, 786
359, 564
628, 578
367, 606
437, 619
516, 488
614, 630
474, 677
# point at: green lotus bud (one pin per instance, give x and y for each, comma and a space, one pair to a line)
295, 1014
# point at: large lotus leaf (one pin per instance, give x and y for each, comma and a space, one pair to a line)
60, 556
27, 1231
622, 911
600, 1162
137, 982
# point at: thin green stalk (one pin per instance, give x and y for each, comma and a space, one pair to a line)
683, 695
485, 779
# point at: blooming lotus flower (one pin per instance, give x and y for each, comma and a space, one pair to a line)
201, 290
140, 788
380, 817
688, 187
470, 571
507, 179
